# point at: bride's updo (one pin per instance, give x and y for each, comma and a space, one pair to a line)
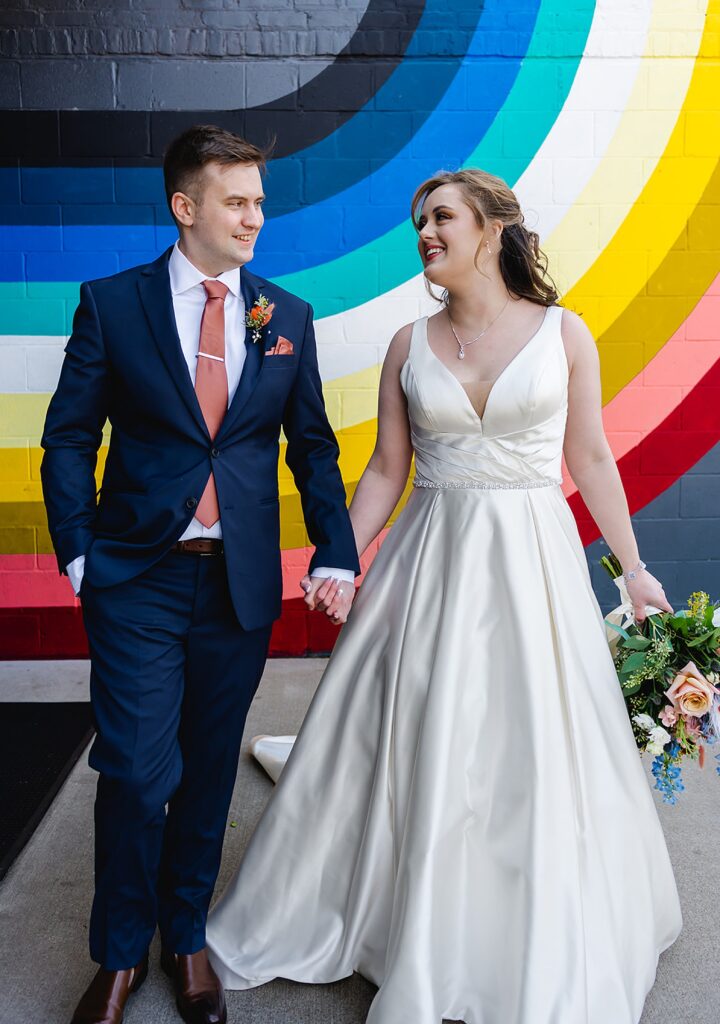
523, 264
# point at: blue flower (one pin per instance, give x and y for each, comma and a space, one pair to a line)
668, 774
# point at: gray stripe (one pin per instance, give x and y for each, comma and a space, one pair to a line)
85, 55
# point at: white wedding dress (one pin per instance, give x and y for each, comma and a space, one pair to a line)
464, 818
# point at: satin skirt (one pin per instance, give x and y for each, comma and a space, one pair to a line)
464, 818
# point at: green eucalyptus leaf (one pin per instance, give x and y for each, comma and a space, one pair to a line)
618, 629
633, 662
699, 640
637, 643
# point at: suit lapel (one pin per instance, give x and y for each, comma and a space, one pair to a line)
156, 297
250, 285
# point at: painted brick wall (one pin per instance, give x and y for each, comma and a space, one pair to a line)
243, 54
604, 116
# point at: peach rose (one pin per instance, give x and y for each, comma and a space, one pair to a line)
691, 692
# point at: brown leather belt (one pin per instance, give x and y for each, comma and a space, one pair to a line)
199, 546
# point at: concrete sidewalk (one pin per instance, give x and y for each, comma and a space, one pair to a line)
45, 898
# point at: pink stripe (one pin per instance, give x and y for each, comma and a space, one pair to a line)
33, 581
29, 581
650, 397
295, 562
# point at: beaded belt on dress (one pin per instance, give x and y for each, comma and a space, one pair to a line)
485, 485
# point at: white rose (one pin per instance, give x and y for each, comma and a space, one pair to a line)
657, 740
645, 722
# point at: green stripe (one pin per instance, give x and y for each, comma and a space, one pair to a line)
507, 149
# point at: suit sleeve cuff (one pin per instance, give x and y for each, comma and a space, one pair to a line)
344, 575
76, 571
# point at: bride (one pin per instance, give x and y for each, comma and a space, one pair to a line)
464, 818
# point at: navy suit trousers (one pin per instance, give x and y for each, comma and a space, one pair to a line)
173, 675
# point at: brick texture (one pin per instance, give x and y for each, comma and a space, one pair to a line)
170, 56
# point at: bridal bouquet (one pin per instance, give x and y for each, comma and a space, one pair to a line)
669, 672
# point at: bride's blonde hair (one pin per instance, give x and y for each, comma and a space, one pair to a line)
523, 264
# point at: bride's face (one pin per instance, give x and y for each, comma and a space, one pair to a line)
449, 236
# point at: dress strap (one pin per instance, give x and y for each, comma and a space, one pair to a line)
418, 336
555, 314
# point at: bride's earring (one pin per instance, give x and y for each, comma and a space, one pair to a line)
487, 246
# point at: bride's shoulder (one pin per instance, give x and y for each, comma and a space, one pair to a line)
576, 336
399, 347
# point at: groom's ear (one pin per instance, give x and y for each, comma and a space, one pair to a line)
183, 209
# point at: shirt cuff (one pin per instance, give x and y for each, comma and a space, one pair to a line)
344, 575
76, 571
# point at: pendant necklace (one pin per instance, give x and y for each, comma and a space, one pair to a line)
462, 345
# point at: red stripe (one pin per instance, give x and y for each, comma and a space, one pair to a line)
661, 458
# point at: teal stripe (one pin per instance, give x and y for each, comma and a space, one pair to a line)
507, 149
38, 307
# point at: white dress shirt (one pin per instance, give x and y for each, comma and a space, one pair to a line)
188, 299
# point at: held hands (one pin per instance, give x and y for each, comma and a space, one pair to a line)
646, 590
332, 596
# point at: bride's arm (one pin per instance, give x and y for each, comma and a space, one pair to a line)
592, 465
385, 476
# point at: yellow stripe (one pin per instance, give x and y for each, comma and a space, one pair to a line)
661, 213
668, 298
24, 525
633, 153
350, 400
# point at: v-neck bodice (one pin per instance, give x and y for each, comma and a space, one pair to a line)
517, 442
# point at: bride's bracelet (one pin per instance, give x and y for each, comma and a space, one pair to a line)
632, 574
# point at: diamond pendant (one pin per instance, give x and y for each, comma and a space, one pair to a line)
461, 353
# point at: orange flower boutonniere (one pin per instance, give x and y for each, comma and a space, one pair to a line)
259, 316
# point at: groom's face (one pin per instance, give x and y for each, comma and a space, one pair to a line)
224, 216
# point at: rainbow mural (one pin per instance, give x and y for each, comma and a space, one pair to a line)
605, 118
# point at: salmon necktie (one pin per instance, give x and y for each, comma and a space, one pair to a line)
211, 384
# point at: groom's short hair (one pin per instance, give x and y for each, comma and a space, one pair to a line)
203, 144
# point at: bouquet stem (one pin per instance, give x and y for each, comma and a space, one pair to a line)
611, 565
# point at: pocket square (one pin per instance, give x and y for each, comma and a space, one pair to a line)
282, 347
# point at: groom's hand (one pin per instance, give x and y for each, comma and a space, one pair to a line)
329, 595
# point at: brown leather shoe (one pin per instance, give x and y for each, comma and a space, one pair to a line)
104, 999
200, 996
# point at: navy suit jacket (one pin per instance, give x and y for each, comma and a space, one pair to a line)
124, 363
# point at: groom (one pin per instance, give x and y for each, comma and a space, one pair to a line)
197, 364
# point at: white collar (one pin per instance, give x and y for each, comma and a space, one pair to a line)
185, 275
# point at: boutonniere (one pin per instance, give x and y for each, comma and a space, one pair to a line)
259, 316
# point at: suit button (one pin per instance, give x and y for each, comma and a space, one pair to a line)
191, 503
215, 452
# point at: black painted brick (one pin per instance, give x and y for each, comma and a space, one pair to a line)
84, 134
357, 79
21, 139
